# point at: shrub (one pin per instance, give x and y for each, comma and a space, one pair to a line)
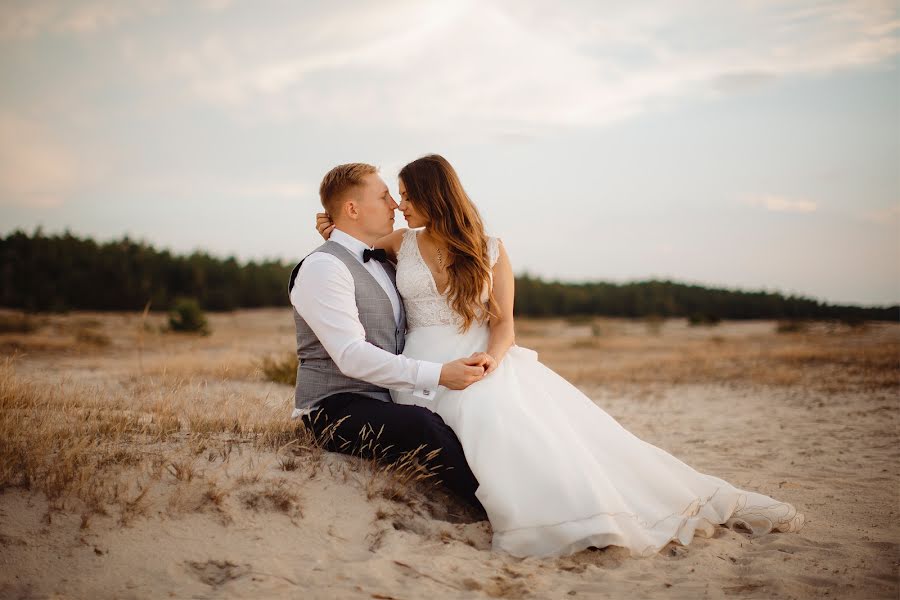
17, 323
791, 327
283, 370
187, 316
696, 319
92, 337
577, 320
654, 324
853, 321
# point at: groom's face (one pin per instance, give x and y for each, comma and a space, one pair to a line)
376, 206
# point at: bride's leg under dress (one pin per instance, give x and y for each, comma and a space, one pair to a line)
558, 474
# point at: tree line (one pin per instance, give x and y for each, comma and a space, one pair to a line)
535, 297
62, 272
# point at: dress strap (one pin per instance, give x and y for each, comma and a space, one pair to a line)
409, 236
493, 245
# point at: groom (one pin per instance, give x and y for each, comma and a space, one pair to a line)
351, 328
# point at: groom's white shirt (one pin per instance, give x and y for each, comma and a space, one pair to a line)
324, 295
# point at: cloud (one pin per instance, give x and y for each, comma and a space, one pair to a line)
782, 204
492, 68
215, 5
35, 169
520, 67
236, 189
26, 19
96, 16
289, 190
885, 216
29, 18
733, 83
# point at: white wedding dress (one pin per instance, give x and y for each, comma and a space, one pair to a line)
556, 473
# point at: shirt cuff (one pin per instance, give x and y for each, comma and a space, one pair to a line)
427, 379
299, 412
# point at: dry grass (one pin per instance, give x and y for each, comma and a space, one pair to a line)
167, 427
12, 322
195, 365
413, 470
828, 357
92, 337
280, 370
76, 444
405, 480
792, 327
164, 411
277, 496
206, 496
72, 441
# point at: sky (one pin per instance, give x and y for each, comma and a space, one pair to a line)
752, 144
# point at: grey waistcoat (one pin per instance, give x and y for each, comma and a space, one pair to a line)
317, 375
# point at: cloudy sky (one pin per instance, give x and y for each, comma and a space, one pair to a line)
750, 144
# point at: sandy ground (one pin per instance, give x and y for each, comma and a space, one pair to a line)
810, 418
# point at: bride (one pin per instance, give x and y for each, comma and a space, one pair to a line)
557, 474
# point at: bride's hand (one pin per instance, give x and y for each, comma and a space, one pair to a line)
487, 361
324, 225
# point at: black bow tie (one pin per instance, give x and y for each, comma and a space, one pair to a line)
378, 254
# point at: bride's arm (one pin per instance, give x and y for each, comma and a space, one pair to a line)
389, 243
502, 334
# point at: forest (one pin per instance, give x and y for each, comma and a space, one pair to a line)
63, 272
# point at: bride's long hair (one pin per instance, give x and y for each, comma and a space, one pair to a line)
433, 188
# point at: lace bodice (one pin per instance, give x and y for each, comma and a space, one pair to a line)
424, 304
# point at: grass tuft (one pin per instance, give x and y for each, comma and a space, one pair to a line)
793, 326
17, 323
92, 337
280, 370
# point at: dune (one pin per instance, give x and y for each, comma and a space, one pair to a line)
143, 464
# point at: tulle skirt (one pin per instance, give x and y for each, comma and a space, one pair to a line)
557, 474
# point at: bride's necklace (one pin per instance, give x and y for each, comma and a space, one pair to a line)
440, 257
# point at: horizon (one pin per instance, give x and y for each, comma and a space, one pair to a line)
750, 146
709, 285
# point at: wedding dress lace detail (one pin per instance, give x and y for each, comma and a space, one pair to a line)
426, 306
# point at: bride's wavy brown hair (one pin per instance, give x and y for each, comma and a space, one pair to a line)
433, 187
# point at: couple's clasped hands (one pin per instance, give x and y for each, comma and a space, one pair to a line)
463, 372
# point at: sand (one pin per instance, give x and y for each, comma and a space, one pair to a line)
810, 418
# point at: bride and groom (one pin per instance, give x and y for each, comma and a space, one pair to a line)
405, 338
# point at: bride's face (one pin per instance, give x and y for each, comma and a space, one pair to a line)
413, 217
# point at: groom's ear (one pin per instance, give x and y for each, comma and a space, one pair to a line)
350, 209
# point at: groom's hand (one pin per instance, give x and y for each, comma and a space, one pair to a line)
324, 225
461, 373
488, 362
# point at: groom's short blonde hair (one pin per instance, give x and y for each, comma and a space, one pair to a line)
339, 181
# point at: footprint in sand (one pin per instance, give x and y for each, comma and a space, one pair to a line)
674, 552
217, 572
796, 545
886, 547
817, 582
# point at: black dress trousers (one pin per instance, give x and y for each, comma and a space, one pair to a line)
384, 430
